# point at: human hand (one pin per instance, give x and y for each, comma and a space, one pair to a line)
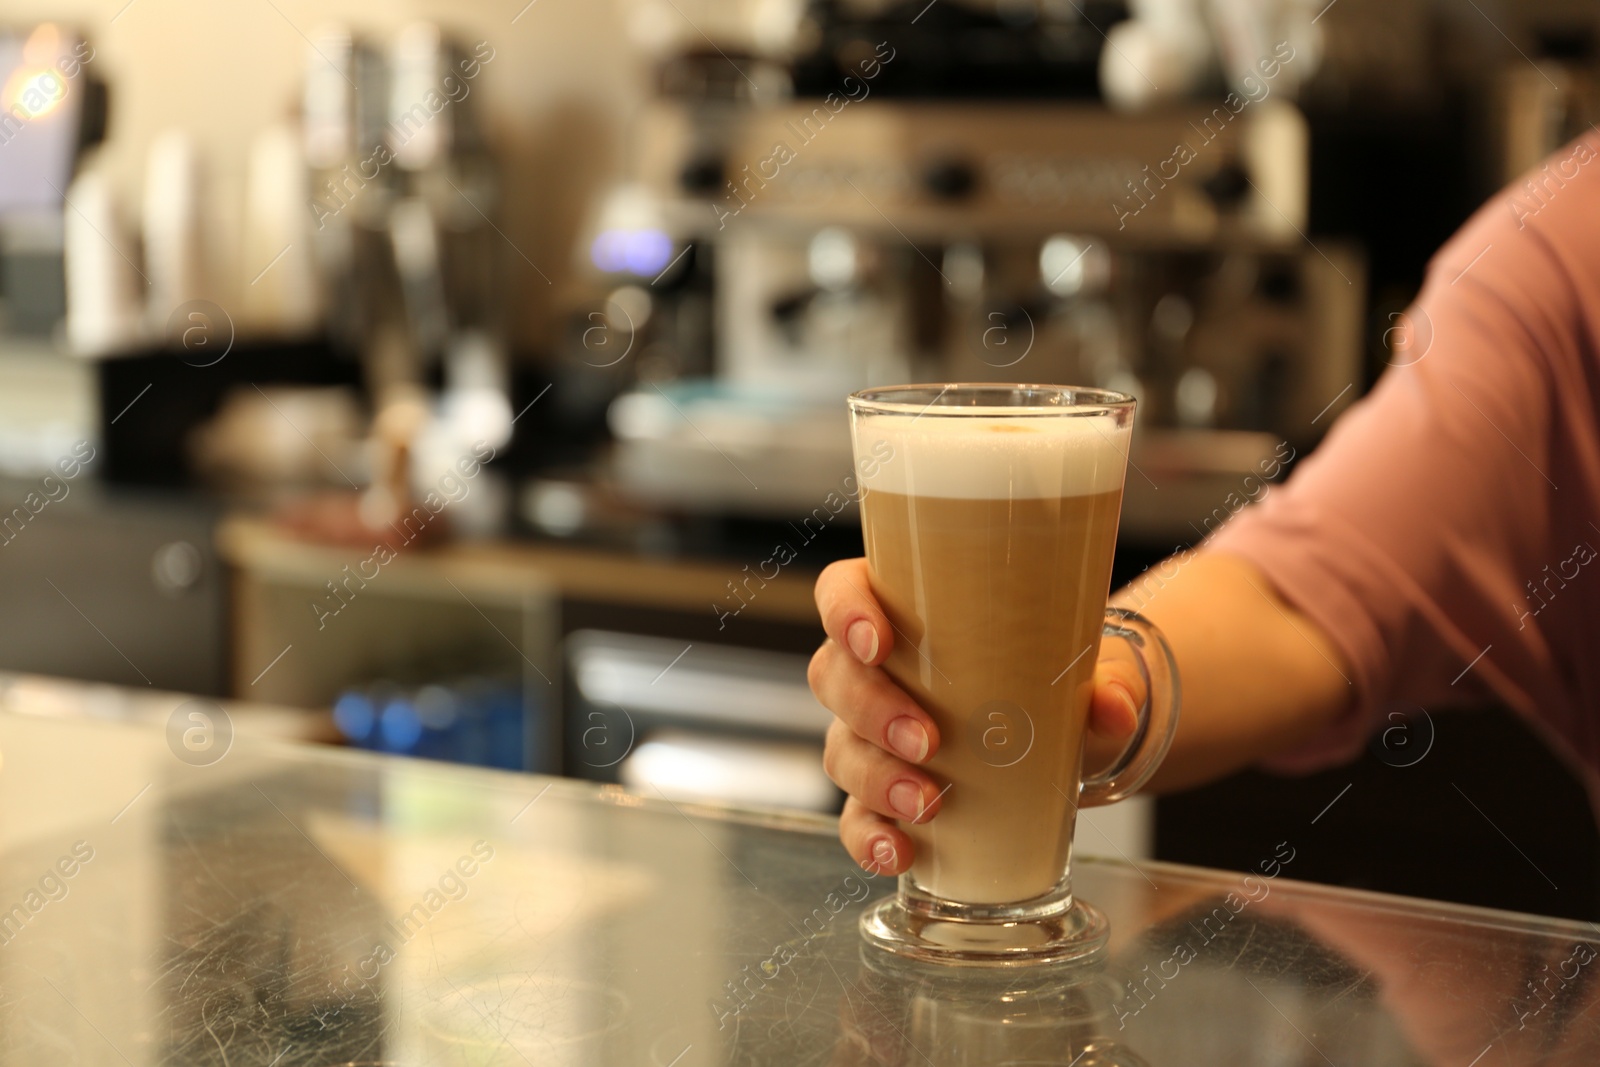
880, 741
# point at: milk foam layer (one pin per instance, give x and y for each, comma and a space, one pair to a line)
974, 457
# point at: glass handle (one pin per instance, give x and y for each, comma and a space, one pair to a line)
1157, 718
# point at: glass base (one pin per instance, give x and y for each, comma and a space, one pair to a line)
1054, 929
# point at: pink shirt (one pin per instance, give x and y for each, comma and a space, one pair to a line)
1444, 535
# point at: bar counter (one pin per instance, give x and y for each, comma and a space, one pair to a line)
187, 896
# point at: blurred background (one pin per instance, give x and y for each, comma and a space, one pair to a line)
465, 381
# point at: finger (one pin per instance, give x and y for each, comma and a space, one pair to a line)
851, 614
869, 702
1119, 692
889, 786
876, 843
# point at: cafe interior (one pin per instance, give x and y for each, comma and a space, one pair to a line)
423, 425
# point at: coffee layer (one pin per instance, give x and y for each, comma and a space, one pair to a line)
997, 609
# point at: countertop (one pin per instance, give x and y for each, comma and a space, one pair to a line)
267, 903
257, 547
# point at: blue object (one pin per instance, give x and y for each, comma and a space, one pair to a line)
354, 716
477, 720
641, 252
400, 726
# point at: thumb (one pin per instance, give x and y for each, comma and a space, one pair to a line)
1119, 692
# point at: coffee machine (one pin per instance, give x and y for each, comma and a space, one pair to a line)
866, 222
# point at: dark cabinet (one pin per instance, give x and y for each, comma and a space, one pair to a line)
111, 586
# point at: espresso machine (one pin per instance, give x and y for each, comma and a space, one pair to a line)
870, 221
914, 192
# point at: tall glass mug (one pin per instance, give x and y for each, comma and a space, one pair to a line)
990, 516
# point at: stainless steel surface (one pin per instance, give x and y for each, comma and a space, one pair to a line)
696, 722
740, 688
1164, 255
294, 906
752, 451
935, 169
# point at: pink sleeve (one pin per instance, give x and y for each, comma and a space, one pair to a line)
1414, 535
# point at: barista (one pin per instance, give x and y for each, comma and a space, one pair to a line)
1439, 548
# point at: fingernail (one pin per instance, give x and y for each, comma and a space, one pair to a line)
883, 854
863, 639
906, 799
908, 738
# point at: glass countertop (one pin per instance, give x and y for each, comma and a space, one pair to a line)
292, 906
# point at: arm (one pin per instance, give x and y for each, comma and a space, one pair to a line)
1257, 676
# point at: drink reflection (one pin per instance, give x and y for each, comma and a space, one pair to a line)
898, 1013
